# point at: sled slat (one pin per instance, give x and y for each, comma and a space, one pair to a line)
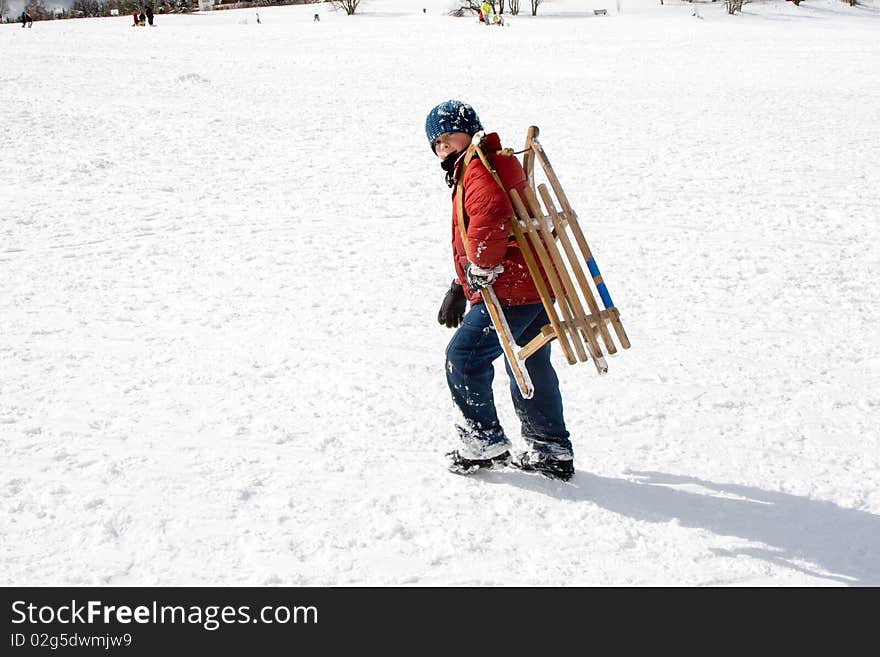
529, 256
529, 156
546, 335
578, 271
546, 247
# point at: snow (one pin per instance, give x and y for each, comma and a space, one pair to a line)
224, 246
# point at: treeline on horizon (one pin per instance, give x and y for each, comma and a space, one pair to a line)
95, 8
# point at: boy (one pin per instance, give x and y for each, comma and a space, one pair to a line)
493, 258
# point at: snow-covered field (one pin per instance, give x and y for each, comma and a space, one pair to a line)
223, 247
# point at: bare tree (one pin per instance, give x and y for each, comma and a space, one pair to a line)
37, 10
514, 7
734, 6
4, 9
86, 8
349, 6
469, 6
535, 4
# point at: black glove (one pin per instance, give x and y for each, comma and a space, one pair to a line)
453, 306
478, 278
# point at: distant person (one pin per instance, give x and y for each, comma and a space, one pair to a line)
26, 19
486, 10
134, 18
316, 18
148, 10
258, 19
142, 19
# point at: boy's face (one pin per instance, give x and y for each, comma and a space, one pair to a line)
451, 142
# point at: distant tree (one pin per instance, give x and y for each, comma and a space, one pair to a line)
87, 7
467, 6
514, 7
348, 6
535, 4
734, 6
4, 9
37, 10
126, 7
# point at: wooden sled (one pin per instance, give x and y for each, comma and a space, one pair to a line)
551, 240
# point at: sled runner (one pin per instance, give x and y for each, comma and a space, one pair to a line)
553, 243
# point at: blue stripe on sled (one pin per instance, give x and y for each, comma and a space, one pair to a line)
606, 298
603, 291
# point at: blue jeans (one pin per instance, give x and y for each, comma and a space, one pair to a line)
470, 371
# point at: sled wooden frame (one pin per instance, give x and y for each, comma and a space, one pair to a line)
547, 237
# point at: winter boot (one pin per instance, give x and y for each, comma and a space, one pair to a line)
545, 464
465, 466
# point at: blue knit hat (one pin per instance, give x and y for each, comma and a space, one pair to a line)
451, 116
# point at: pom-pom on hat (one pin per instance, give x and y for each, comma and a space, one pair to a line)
451, 116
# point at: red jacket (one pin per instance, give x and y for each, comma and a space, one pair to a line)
488, 211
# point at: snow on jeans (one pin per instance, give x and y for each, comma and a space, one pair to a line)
470, 371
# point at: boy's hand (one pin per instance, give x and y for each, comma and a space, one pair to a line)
453, 306
478, 278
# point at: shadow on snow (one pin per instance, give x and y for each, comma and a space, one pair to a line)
844, 544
